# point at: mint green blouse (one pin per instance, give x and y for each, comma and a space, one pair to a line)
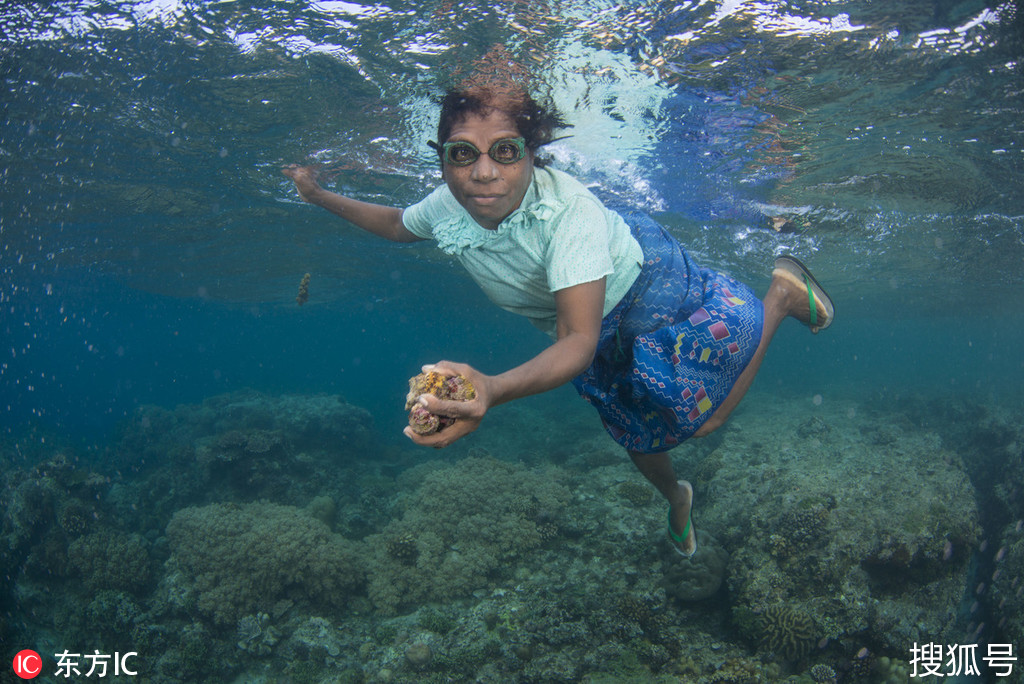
560, 236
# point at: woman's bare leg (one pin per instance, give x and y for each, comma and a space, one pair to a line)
657, 468
786, 297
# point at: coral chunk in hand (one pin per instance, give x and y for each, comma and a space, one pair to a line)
455, 387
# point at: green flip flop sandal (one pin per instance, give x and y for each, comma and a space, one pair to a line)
795, 270
681, 539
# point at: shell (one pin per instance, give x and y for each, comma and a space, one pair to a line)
456, 387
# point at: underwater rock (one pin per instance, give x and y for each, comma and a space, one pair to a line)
423, 422
813, 427
1005, 594
454, 388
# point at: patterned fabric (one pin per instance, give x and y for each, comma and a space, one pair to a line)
672, 349
560, 236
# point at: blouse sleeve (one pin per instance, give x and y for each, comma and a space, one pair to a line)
580, 247
420, 218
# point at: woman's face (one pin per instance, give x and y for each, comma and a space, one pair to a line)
489, 191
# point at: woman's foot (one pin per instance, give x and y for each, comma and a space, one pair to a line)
680, 527
800, 294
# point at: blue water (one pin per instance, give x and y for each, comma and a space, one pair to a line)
151, 250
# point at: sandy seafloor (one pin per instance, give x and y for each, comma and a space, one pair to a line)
269, 538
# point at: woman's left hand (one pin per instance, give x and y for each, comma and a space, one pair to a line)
467, 414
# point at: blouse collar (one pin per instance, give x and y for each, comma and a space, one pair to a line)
460, 232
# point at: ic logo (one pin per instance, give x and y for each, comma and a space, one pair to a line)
27, 664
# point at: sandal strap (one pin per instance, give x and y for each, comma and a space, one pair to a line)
810, 295
686, 530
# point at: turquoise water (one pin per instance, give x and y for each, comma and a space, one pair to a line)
152, 251
141, 144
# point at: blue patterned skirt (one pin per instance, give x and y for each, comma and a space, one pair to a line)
672, 348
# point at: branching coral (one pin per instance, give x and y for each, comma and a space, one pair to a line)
242, 559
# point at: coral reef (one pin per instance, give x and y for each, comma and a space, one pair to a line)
317, 639
891, 671
403, 548
454, 388
250, 537
419, 655
242, 446
813, 537
702, 576
464, 524
241, 559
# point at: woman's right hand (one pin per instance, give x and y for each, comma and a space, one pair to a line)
467, 414
305, 179
373, 218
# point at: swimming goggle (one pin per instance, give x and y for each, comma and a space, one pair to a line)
463, 153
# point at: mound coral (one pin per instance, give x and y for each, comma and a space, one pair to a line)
700, 577
465, 526
111, 560
241, 559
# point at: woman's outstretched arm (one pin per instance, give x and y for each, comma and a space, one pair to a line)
579, 310
382, 221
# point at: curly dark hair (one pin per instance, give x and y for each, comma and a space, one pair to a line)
535, 121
